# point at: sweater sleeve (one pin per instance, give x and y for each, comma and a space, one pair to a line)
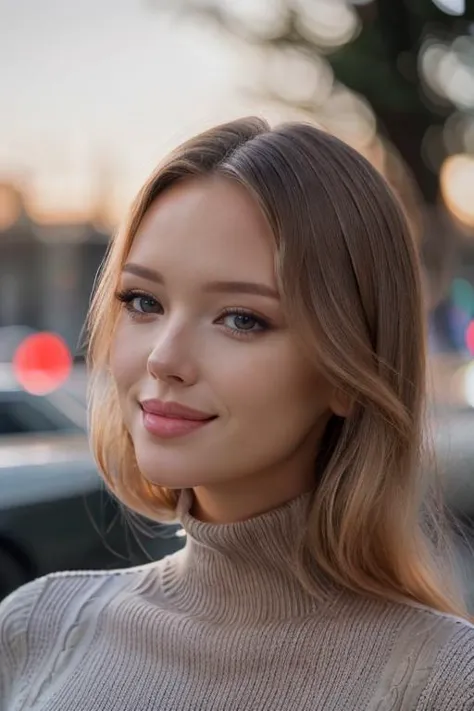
15, 612
450, 685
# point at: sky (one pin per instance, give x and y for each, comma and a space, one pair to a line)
111, 83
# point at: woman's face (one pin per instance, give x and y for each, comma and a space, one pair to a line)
202, 326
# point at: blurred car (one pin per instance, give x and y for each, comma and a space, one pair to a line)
55, 513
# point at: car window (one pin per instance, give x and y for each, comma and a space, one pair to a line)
34, 415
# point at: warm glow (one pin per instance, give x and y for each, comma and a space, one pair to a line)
69, 209
10, 207
59, 217
457, 187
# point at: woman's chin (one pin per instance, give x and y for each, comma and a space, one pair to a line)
170, 477
170, 481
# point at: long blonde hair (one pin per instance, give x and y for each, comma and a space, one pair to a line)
349, 274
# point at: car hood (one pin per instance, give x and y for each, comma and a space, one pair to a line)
34, 470
31, 449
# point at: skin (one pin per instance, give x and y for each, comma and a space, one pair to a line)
177, 344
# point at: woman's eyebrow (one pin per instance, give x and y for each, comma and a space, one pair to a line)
227, 287
144, 272
241, 287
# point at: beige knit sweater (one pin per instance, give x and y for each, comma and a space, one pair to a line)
223, 625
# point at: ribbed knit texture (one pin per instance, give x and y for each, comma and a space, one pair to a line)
224, 625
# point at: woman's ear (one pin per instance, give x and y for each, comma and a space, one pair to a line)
341, 403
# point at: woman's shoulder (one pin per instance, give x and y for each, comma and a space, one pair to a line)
56, 591
450, 683
432, 660
429, 655
37, 614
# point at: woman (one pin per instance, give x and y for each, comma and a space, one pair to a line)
258, 373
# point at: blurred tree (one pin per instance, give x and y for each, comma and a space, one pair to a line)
411, 60
397, 73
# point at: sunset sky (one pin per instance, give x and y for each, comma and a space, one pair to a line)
112, 81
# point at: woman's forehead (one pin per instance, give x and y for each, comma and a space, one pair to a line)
209, 226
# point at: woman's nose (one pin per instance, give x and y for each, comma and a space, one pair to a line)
171, 360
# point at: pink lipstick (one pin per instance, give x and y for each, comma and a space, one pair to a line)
171, 419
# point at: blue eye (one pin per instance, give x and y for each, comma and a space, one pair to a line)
144, 304
243, 322
138, 303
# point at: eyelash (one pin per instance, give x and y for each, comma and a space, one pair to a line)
127, 297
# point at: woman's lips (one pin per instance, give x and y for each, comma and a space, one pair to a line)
171, 420
168, 427
176, 410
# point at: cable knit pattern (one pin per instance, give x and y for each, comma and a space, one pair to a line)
223, 625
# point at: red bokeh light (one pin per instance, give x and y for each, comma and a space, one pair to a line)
42, 363
470, 337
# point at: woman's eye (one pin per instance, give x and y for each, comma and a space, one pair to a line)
243, 322
139, 304
144, 305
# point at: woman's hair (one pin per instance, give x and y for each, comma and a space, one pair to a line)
349, 275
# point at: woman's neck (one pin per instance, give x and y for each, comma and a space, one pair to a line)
231, 502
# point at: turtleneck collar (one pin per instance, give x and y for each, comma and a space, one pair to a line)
240, 571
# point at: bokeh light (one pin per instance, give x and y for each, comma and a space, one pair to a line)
462, 295
457, 187
469, 384
448, 69
350, 117
329, 23
451, 7
42, 363
298, 78
470, 337
456, 75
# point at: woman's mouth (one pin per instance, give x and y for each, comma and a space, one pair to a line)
168, 419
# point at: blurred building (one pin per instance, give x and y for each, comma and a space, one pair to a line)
47, 271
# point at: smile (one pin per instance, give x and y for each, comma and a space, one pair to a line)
168, 427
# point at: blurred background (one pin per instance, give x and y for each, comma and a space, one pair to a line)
93, 94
